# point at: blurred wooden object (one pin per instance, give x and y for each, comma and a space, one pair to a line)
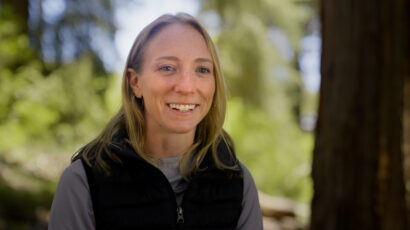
276, 207
281, 213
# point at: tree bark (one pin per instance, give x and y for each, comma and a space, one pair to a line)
358, 156
406, 115
20, 9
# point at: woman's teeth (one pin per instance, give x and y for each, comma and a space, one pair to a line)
182, 108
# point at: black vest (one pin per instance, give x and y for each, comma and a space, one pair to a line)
137, 195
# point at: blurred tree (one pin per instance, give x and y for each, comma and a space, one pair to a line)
28, 114
63, 30
42, 112
358, 159
406, 116
406, 138
20, 9
258, 43
259, 46
273, 148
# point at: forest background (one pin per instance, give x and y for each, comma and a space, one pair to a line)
60, 73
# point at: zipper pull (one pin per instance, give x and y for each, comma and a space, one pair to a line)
180, 215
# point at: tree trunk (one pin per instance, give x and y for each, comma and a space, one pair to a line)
20, 9
358, 157
406, 137
406, 115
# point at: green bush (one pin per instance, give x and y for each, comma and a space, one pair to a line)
274, 149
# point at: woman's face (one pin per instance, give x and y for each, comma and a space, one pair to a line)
176, 82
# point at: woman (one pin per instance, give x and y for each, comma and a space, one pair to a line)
163, 161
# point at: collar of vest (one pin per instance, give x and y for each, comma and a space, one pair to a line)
121, 147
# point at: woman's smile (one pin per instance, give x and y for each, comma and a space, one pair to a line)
183, 108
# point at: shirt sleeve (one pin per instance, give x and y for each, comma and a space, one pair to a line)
72, 207
251, 216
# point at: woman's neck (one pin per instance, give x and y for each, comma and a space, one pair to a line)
168, 145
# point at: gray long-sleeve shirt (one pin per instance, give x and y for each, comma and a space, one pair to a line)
72, 208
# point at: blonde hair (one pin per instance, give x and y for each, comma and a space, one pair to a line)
209, 132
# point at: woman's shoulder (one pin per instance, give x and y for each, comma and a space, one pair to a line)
72, 207
244, 170
248, 181
74, 176
251, 216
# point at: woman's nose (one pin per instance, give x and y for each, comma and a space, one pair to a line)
185, 83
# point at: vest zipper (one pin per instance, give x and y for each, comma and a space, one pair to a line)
180, 215
180, 212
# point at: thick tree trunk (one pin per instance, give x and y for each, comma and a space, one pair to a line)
406, 115
406, 136
20, 9
358, 157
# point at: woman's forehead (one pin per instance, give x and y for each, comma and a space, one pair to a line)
178, 39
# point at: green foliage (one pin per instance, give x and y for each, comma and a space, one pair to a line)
265, 86
274, 150
63, 106
41, 112
45, 115
13, 42
250, 56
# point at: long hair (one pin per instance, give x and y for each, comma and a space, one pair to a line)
209, 132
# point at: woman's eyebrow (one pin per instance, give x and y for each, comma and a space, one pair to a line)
204, 60
171, 58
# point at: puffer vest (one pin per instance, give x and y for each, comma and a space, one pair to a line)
137, 195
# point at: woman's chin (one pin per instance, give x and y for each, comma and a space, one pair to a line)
183, 129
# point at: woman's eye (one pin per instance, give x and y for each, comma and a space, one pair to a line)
204, 70
165, 68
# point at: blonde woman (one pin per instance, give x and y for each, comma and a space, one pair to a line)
163, 161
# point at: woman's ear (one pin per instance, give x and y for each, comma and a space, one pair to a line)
135, 82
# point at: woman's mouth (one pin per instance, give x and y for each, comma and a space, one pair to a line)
182, 107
